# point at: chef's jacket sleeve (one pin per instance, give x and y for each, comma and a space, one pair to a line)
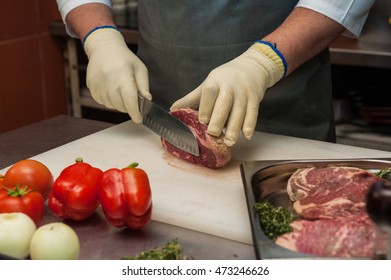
65, 6
351, 14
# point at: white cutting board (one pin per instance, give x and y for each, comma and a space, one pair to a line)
186, 195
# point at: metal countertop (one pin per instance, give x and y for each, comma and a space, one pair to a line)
98, 239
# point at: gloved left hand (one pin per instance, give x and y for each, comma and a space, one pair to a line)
233, 92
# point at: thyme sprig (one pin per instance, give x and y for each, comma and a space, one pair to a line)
172, 250
384, 173
274, 221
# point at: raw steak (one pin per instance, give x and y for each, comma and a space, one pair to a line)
352, 236
213, 152
329, 192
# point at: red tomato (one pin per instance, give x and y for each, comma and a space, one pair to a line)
24, 200
31, 173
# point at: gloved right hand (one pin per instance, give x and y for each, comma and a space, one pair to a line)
115, 75
231, 94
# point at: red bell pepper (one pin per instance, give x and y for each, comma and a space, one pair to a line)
75, 192
125, 197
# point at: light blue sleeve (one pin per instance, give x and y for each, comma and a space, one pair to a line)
65, 6
352, 14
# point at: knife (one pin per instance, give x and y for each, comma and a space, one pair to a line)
168, 127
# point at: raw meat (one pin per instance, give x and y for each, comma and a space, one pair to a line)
329, 192
333, 220
352, 236
213, 152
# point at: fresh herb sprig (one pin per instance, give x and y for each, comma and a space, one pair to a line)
384, 173
275, 221
172, 250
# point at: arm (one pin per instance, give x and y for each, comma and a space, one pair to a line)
314, 24
67, 6
304, 34
232, 92
86, 17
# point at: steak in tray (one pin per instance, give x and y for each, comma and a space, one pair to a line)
329, 192
327, 199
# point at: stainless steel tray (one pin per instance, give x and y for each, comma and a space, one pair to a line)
267, 180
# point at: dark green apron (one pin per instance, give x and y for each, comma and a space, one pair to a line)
183, 40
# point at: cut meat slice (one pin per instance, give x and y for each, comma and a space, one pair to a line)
331, 203
352, 236
213, 152
329, 192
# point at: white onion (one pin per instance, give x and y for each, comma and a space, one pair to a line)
55, 241
16, 231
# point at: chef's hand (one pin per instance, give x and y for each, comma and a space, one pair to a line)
233, 92
115, 75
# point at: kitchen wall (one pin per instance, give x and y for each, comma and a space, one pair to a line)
32, 84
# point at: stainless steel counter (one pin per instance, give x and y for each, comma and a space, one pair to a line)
354, 52
42, 136
98, 239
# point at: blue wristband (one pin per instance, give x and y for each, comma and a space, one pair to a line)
273, 46
97, 28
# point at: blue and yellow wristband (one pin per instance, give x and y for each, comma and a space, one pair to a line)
270, 50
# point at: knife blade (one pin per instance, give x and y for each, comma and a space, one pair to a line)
168, 127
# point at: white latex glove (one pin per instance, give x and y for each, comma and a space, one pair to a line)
115, 75
233, 92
